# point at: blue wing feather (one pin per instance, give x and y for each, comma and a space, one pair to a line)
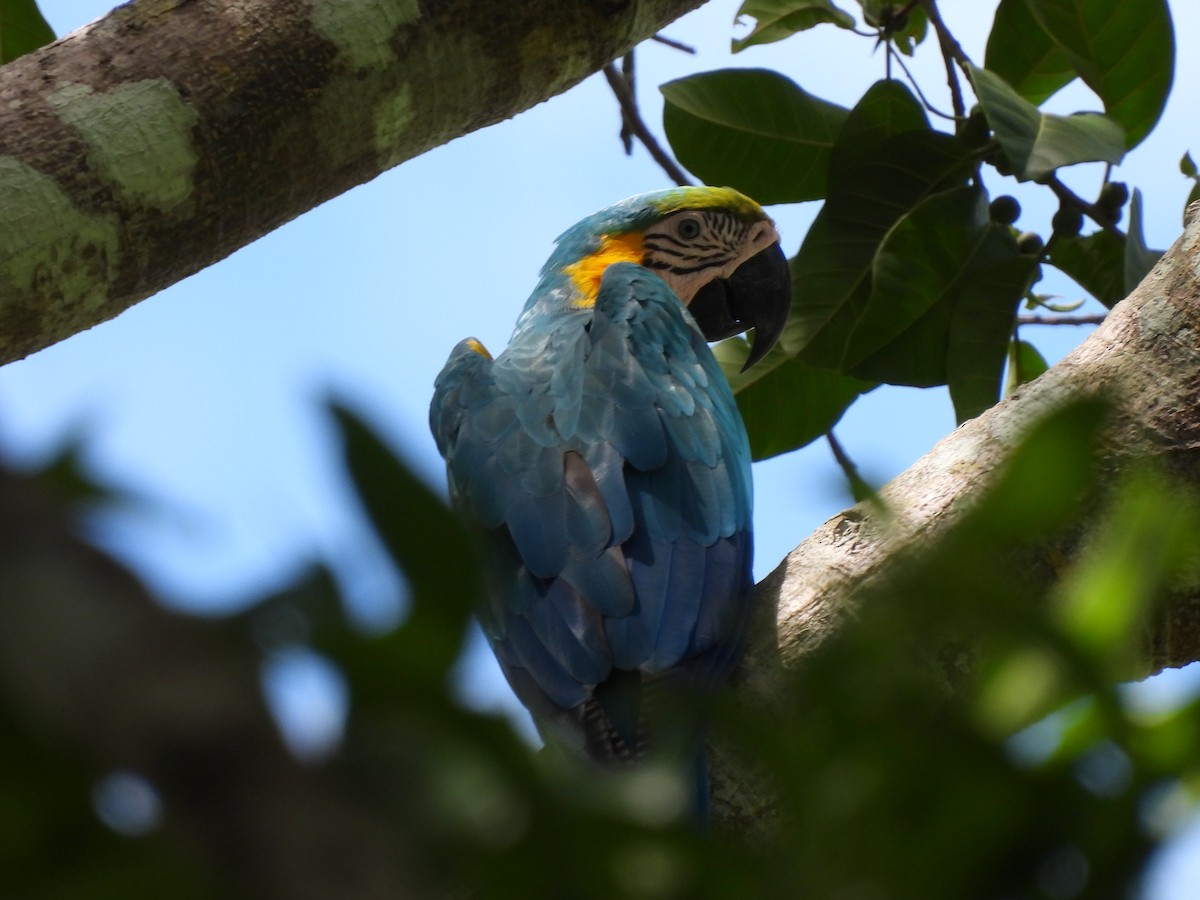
604, 454
632, 637
678, 619
561, 623
589, 528
604, 581
524, 648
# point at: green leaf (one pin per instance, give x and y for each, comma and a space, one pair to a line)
918, 264
1096, 262
424, 539
70, 475
754, 130
1049, 475
980, 331
1037, 143
1145, 541
1025, 363
1187, 166
904, 24
880, 169
945, 287
22, 29
790, 406
907, 38
1139, 259
1021, 52
1050, 303
1124, 51
887, 108
53, 845
1128, 564
778, 19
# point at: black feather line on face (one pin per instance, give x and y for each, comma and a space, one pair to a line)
689, 270
719, 242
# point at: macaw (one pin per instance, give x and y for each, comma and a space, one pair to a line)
603, 457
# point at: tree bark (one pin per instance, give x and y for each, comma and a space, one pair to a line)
161, 138
1144, 360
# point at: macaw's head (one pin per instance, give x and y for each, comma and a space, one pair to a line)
715, 247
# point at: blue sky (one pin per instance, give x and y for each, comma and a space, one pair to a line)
205, 399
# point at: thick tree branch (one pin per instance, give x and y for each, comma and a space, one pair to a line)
161, 138
1143, 358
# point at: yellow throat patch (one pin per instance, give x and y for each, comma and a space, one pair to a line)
585, 275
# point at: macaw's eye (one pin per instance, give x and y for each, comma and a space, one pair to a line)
688, 228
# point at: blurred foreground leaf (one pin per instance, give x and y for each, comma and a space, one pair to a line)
424, 539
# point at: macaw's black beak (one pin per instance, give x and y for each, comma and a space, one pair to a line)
758, 295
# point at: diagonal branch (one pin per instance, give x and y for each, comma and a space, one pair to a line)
631, 118
952, 55
161, 138
1094, 211
1136, 358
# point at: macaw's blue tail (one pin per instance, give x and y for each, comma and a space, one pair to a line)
632, 717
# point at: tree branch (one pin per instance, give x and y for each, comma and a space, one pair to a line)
1087, 319
859, 489
916, 86
632, 121
674, 44
1094, 211
126, 164
952, 54
1137, 359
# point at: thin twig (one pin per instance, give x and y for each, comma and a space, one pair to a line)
1090, 319
886, 32
924, 100
627, 74
678, 45
951, 46
859, 488
632, 119
952, 53
1097, 214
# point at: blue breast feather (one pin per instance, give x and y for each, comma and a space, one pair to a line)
604, 454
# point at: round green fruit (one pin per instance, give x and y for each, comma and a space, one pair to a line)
1004, 209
